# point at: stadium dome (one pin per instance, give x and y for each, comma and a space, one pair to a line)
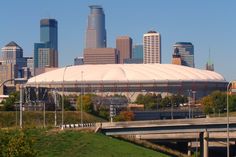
130, 79
126, 73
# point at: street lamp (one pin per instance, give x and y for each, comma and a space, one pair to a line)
21, 101
81, 99
62, 104
189, 99
228, 86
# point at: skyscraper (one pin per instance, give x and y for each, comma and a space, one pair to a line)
13, 54
137, 52
176, 58
124, 46
186, 51
46, 52
152, 47
96, 32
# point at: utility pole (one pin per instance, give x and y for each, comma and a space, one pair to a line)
21, 101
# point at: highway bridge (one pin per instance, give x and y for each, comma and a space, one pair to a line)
204, 129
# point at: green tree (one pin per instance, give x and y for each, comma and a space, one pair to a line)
9, 103
216, 102
219, 101
16, 145
140, 99
67, 105
165, 102
232, 103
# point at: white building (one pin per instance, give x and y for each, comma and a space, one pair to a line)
152, 47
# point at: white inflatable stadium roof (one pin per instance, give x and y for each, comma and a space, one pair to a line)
126, 73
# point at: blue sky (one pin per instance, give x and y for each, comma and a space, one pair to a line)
208, 24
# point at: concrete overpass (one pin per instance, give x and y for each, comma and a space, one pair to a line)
204, 129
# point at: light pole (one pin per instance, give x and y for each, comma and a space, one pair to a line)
62, 104
21, 101
189, 99
194, 102
81, 99
55, 111
228, 86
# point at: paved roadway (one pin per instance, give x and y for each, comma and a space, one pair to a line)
168, 126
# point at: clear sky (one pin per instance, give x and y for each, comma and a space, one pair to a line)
208, 24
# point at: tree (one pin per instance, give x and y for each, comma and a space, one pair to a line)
207, 104
67, 105
9, 103
232, 103
87, 103
165, 102
125, 116
219, 101
216, 102
16, 145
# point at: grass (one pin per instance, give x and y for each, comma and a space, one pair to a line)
231, 114
86, 144
35, 118
56, 143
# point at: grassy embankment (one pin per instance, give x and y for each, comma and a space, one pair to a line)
55, 143
35, 118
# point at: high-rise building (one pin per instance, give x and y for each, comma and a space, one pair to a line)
186, 51
137, 55
137, 52
101, 56
152, 47
30, 65
176, 58
96, 32
13, 54
124, 46
46, 52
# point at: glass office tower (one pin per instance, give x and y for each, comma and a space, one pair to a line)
137, 52
48, 32
96, 32
46, 52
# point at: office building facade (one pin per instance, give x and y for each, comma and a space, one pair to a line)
186, 52
46, 52
137, 52
96, 32
176, 58
101, 56
152, 47
13, 54
124, 46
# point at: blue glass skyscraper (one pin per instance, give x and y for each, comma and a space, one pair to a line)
46, 52
48, 32
96, 32
137, 52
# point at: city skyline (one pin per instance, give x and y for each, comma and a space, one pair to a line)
206, 23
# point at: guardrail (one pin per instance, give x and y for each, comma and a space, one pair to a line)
84, 125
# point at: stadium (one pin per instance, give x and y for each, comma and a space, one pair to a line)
130, 79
